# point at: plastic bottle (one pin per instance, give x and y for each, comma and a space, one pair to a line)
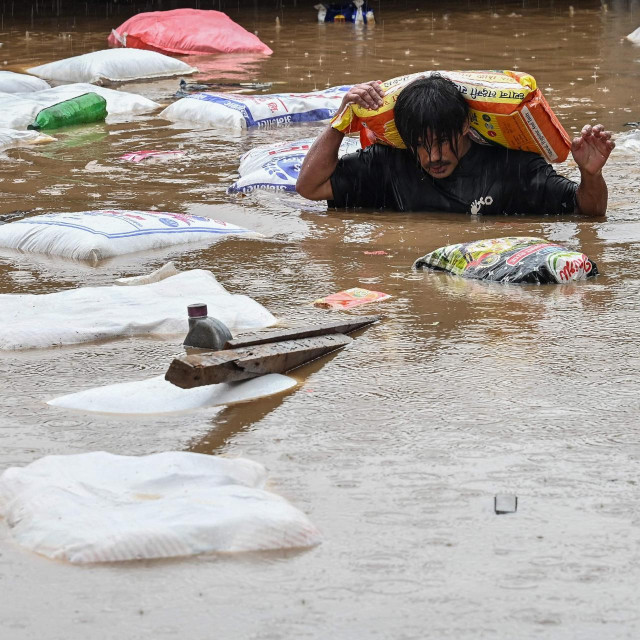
89, 107
205, 332
322, 12
371, 20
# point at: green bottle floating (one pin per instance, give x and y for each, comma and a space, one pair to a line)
89, 107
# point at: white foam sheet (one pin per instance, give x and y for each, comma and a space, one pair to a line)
18, 111
99, 507
10, 138
86, 314
156, 395
115, 65
11, 82
101, 234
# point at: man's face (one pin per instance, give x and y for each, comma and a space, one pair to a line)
438, 158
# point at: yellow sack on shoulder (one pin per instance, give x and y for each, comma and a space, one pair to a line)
506, 108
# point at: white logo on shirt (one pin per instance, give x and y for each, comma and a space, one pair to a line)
477, 204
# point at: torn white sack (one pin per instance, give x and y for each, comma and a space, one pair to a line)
276, 167
18, 111
99, 507
113, 65
101, 313
238, 111
11, 82
10, 138
97, 235
156, 395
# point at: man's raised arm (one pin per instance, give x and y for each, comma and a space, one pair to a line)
314, 181
591, 151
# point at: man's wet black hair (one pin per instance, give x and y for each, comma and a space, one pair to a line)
433, 106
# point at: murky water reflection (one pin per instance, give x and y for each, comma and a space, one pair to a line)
395, 446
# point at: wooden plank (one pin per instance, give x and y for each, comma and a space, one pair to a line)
231, 365
330, 328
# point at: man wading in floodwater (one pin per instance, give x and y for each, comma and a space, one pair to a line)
442, 169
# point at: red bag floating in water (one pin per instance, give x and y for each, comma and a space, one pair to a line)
186, 32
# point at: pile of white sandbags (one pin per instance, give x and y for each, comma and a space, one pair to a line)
98, 507
112, 65
10, 138
18, 110
11, 82
86, 314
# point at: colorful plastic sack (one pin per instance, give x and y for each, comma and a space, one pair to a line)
112, 65
350, 298
89, 107
237, 111
507, 109
276, 167
512, 259
186, 32
101, 234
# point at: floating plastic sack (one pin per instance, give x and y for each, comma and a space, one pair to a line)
276, 167
517, 260
237, 111
18, 111
99, 507
87, 314
84, 109
96, 235
634, 36
628, 142
114, 65
152, 156
156, 395
507, 109
186, 32
11, 82
10, 138
350, 298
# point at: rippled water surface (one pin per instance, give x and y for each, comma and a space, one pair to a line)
395, 446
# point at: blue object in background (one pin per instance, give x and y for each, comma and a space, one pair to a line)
347, 9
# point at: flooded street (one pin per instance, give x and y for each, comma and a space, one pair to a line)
395, 446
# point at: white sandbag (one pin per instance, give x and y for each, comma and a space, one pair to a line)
18, 111
634, 36
99, 507
11, 82
628, 142
101, 313
237, 111
165, 271
156, 395
114, 65
276, 167
10, 138
96, 235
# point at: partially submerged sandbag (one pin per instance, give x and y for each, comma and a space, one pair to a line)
74, 316
186, 32
99, 507
18, 111
156, 395
276, 167
113, 65
96, 235
507, 109
238, 111
634, 36
87, 108
512, 259
11, 82
10, 138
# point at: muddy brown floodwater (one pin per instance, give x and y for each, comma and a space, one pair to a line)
396, 446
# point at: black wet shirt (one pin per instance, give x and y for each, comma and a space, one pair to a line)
487, 180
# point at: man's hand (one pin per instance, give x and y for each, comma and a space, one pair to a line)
368, 95
592, 149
